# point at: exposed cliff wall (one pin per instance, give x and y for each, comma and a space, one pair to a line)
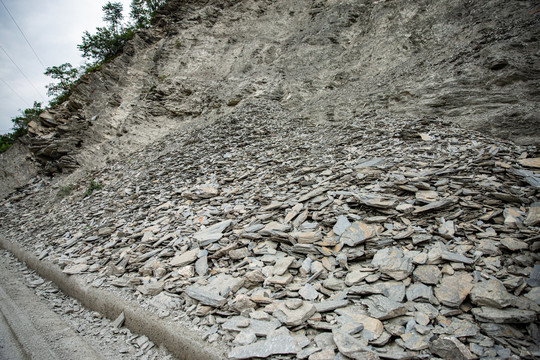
475, 63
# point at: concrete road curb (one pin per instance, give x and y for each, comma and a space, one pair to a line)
178, 339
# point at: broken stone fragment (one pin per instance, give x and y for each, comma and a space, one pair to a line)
341, 225
273, 227
334, 284
534, 277
530, 162
453, 257
351, 347
382, 308
454, 289
294, 317
420, 292
447, 229
377, 201
415, 341
282, 265
241, 253
514, 244
151, 289
308, 237
325, 354
280, 279
450, 348
491, 293
435, 205
205, 297
245, 338
358, 233
512, 216
426, 196
533, 216
354, 277
274, 345
201, 265
186, 258
504, 316
212, 233
427, 274
75, 269
258, 327
308, 292
242, 303
393, 263
330, 305
224, 284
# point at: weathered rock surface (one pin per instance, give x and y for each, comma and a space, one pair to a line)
292, 220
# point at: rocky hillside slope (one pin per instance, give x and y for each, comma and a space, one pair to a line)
303, 179
271, 235
475, 63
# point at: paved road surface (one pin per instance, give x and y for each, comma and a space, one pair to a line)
29, 329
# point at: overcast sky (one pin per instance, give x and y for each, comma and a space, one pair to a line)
53, 29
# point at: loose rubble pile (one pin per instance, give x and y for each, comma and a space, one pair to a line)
366, 239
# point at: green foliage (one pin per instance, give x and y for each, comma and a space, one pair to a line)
92, 68
113, 15
93, 186
67, 75
142, 11
105, 44
20, 126
100, 47
109, 41
64, 191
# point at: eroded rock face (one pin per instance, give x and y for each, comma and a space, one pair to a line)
302, 216
216, 226
327, 61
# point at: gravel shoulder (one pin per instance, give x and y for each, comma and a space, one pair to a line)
42, 322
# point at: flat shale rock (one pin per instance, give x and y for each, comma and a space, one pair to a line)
514, 244
372, 328
358, 233
453, 289
213, 233
294, 317
258, 327
277, 236
75, 269
415, 341
427, 274
533, 215
393, 263
491, 293
186, 258
274, 345
420, 293
351, 347
450, 348
330, 305
504, 316
382, 308
205, 297
308, 292
341, 225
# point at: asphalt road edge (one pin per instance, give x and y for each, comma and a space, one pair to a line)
178, 339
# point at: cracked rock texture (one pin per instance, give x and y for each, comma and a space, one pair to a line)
304, 179
472, 62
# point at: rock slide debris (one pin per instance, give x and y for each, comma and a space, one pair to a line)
283, 238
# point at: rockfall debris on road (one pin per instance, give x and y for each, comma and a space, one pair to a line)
280, 237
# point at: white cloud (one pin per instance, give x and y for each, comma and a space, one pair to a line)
53, 28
